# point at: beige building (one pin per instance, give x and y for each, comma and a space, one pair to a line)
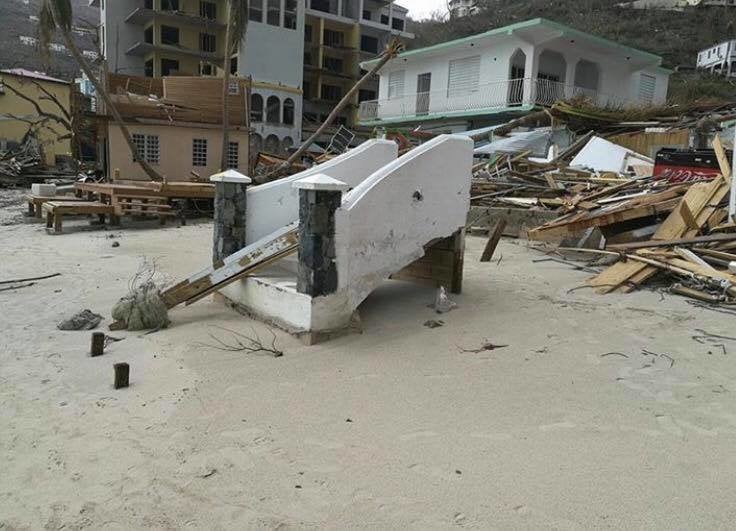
180, 152
18, 115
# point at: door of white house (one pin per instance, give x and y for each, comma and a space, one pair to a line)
424, 87
516, 85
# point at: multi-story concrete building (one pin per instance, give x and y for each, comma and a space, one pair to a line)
338, 35
719, 59
303, 55
463, 8
186, 37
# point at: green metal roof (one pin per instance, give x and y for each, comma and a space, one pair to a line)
567, 30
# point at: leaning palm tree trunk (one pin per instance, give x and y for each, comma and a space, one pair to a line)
237, 24
57, 14
391, 51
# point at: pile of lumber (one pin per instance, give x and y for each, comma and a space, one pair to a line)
653, 229
17, 162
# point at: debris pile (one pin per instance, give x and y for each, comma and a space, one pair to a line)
14, 163
644, 218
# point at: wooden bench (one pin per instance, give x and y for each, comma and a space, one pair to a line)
35, 202
142, 205
56, 210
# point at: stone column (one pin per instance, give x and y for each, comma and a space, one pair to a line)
230, 205
319, 197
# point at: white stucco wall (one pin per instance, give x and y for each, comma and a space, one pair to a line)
384, 222
276, 204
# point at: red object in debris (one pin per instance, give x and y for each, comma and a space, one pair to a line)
683, 165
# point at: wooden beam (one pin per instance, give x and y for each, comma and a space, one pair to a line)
670, 243
493, 240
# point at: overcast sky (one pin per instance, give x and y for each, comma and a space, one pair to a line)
419, 9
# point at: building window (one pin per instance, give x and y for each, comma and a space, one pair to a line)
233, 151
273, 15
396, 84
384, 19
199, 152
147, 148
464, 76
169, 66
271, 145
366, 95
288, 111
368, 44
256, 108
207, 10
233, 88
333, 38
397, 24
307, 33
205, 69
331, 92
207, 42
255, 11
234, 65
169, 35
290, 14
367, 15
148, 68
152, 149
273, 110
306, 90
333, 64
647, 88
148, 4
286, 144
148, 35
170, 5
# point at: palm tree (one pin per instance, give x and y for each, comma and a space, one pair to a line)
57, 15
237, 25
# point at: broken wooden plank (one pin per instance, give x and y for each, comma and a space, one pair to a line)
493, 240
234, 267
702, 200
711, 238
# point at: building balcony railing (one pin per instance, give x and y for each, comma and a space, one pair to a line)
141, 14
491, 97
141, 49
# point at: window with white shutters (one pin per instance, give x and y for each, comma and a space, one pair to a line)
396, 84
647, 86
464, 76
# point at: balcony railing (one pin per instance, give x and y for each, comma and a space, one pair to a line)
495, 96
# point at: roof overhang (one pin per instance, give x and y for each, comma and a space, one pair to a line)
537, 31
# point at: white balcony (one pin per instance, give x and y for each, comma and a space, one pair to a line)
493, 97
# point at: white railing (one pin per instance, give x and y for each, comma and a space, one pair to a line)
488, 97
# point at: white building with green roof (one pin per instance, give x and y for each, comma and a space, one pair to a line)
490, 77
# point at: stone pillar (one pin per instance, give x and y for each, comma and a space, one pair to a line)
319, 197
230, 205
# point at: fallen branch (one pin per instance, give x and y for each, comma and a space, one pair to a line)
18, 287
243, 343
16, 281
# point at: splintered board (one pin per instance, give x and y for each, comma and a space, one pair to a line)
246, 261
698, 206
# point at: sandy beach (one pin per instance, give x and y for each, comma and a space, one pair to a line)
570, 426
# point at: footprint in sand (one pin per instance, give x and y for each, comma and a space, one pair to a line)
557, 426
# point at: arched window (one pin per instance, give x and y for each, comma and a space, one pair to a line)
271, 145
256, 143
289, 111
256, 108
273, 110
286, 144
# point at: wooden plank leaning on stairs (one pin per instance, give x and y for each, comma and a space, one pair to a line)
235, 267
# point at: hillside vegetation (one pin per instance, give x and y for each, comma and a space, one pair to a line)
677, 36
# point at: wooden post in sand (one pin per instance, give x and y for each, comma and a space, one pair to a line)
122, 375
